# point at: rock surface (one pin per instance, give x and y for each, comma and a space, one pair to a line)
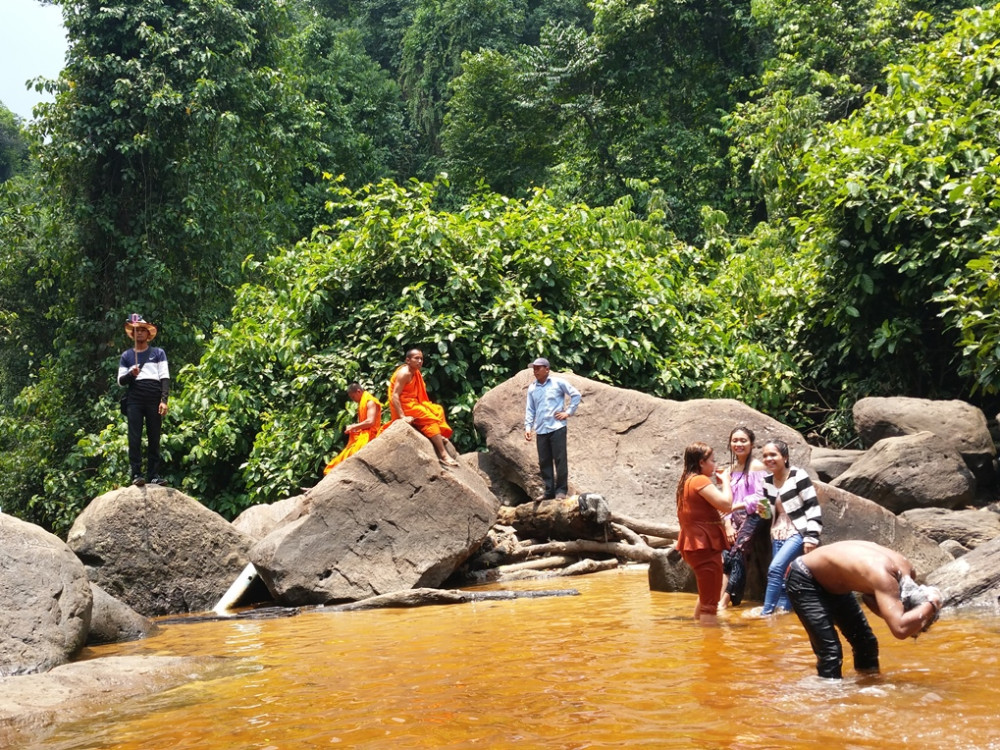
258, 521
914, 471
113, 621
847, 516
388, 518
71, 692
622, 444
45, 599
158, 550
972, 579
970, 528
961, 424
829, 463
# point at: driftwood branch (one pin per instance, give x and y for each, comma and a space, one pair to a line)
426, 596
633, 552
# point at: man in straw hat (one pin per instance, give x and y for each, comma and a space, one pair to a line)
143, 369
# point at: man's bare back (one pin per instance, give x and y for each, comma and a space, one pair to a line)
873, 571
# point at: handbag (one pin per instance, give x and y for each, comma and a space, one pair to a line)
123, 404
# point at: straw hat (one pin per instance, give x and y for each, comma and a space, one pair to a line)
135, 321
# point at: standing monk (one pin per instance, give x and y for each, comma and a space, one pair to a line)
821, 586
143, 369
545, 416
365, 429
408, 401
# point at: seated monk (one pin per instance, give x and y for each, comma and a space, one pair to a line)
365, 429
408, 401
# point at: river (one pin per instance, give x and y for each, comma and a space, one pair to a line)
616, 666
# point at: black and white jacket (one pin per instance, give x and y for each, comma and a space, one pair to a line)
798, 498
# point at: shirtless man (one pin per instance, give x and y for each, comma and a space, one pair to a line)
821, 585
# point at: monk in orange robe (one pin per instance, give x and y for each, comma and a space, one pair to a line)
408, 401
365, 429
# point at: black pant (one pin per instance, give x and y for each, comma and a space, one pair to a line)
734, 561
819, 611
141, 410
552, 461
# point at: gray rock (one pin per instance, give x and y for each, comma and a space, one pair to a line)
953, 548
493, 472
74, 692
970, 528
971, 580
45, 599
622, 444
847, 516
961, 424
669, 572
113, 621
914, 471
829, 463
158, 550
258, 521
389, 518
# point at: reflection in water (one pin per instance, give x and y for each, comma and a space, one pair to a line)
616, 666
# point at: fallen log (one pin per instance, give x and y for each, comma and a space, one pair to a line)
516, 573
633, 552
585, 516
425, 596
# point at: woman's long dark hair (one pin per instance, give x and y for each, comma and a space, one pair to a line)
746, 467
694, 454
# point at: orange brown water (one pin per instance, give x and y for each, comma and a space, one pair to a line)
616, 666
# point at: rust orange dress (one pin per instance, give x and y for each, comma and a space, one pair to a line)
358, 440
701, 540
428, 417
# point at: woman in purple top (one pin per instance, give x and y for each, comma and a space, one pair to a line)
748, 511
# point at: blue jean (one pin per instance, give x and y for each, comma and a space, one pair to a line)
783, 551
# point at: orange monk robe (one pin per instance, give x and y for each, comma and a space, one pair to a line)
428, 417
358, 440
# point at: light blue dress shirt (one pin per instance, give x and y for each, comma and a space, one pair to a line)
544, 400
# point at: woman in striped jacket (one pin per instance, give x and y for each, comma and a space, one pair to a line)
797, 524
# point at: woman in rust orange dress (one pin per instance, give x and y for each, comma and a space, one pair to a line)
702, 537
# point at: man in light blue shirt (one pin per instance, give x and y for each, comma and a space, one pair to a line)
545, 416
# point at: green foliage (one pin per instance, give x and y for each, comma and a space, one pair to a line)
13, 145
602, 114
170, 148
481, 290
900, 208
822, 57
432, 51
363, 131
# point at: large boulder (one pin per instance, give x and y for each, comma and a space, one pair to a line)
970, 528
973, 579
113, 621
624, 445
258, 521
45, 599
388, 518
961, 424
914, 471
830, 463
847, 516
158, 550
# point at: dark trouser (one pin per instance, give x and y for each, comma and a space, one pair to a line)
552, 461
735, 559
819, 611
139, 411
